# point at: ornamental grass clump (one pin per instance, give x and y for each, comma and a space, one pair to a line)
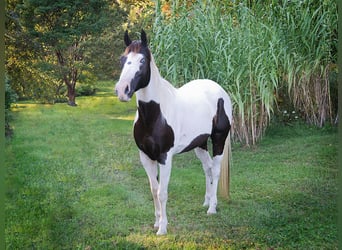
252, 51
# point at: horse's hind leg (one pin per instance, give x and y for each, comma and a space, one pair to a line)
205, 158
212, 168
219, 133
215, 171
151, 168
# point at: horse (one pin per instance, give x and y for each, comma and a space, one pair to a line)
173, 120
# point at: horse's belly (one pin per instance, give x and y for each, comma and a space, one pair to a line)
193, 130
197, 105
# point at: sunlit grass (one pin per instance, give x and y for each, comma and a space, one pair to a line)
74, 181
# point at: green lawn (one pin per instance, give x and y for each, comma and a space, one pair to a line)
74, 181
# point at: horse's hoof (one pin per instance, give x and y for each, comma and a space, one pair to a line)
161, 232
211, 211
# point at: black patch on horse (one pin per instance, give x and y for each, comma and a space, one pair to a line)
141, 78
199, 141
152, 134
220, 129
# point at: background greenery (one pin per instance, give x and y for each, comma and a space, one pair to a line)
74, 181
73, 177
268, 55
271, 56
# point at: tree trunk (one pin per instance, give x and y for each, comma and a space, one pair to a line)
72, 87
71, 95
69, 76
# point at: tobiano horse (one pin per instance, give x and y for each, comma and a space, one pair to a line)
170, 121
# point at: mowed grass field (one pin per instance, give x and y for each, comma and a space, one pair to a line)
74, 181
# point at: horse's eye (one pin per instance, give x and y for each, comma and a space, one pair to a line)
142, 60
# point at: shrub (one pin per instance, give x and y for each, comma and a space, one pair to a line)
86, 86
85, 90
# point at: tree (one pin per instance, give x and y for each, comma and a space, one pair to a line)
23, 61
59, 30
104, 52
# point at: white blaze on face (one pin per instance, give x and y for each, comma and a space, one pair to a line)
130, 68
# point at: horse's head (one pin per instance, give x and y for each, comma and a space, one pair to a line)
136, 71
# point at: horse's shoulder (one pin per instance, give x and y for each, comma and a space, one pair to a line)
152, 133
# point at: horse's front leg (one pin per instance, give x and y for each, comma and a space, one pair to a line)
151, 168
164, 178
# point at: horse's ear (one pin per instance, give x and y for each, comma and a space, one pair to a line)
143, 38
127, 40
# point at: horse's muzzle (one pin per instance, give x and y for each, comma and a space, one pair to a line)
122, 92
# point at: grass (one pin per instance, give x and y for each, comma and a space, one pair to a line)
74, 181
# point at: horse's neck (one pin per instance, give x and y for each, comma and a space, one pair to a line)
158, 89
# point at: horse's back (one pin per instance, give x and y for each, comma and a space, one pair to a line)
205, 92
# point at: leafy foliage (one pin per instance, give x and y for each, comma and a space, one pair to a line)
54, 43
58, 31
269, 55
31, 75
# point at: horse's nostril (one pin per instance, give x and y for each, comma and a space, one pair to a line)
126, 90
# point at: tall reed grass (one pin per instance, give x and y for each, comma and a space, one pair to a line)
309, 56
250, 51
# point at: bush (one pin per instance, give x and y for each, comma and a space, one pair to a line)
85, 90
86, 86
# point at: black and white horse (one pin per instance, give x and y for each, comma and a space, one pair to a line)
171, 121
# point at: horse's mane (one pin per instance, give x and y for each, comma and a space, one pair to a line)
136, 47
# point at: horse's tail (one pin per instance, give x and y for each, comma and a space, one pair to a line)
225, 169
